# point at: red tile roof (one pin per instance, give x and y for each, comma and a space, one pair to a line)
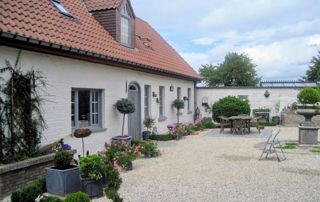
40, 20
94, 5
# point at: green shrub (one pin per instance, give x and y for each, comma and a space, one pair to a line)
164, 137
230, 106
51, 199
30, 192
208, 123
62, 159
309, 96
125, 106
92, 167
113, 194
77, 197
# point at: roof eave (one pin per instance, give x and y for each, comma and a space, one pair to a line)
80, 52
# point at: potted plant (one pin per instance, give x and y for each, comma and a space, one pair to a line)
63, 178
121, 154
178, 104
124, 106
308, 106
149, 149
92, 175
148, 124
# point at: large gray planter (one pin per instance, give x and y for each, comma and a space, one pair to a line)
63, 182
92, 188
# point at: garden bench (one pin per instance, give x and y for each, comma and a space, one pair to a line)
224, 122
271, 146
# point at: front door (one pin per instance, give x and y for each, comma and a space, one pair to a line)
134, 119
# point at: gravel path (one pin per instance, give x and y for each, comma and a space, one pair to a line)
221, 167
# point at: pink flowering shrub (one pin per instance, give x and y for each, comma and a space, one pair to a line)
121, 154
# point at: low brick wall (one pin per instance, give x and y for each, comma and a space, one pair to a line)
17, 175
293, 119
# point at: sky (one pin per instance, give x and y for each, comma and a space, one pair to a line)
280, 36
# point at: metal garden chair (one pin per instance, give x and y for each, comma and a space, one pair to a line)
272, 145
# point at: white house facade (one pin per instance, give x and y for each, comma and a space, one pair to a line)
86, 78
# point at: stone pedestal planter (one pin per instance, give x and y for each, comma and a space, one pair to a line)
63, 182
308, 130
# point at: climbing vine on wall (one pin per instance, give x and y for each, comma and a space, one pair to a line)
21, 119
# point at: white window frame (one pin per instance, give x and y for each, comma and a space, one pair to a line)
75, 104
61, 8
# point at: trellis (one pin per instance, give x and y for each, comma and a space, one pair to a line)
21, 120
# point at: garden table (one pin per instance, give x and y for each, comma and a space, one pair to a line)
240, 123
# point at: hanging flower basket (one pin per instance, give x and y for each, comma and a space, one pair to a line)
82, 133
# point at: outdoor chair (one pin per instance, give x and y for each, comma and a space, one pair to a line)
224, 122
255, 123
272, 145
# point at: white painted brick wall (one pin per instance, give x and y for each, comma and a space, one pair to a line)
286, 96
63, 74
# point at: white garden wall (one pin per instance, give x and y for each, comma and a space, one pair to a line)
63, 74
281, 96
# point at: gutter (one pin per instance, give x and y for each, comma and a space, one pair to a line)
93, 54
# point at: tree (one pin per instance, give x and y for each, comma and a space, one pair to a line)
313, 73
236, 70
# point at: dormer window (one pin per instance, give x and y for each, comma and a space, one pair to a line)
125, 27
61, 8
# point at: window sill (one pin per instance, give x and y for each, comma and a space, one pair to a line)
190, 112
162, 118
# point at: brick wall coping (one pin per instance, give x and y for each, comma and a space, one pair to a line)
29, 162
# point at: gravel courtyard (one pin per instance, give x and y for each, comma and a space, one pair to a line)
222, 167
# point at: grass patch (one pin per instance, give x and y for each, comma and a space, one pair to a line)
290, 145
315, 150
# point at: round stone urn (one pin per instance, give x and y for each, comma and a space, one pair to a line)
308, 130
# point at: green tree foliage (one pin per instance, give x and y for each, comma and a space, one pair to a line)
313, 73
236, 70
230, 106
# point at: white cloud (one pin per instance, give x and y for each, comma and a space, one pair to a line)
314, 40
205, 41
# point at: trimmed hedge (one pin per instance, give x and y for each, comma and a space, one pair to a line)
30, 192
230, 106
164, 137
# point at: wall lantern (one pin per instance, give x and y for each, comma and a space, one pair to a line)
154, 94
171, 88
266, 94
157, 100
185, 98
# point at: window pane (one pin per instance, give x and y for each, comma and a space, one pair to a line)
179, 93
95, 107
84, 108
146, 101
161, 101
125, 31
189, 99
